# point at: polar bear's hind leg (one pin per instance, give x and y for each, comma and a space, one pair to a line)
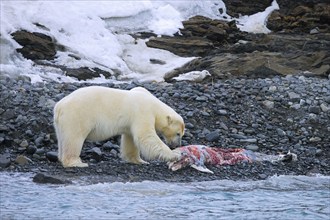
70, 153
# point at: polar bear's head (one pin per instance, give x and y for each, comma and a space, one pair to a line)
172, 130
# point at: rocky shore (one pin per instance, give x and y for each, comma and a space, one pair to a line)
267, 92
269, 115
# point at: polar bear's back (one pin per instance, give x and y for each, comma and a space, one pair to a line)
100, 95
96, 102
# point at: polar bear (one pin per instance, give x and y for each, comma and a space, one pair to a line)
97, 113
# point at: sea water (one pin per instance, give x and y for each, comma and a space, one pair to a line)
279, 197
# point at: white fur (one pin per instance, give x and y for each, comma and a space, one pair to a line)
97, 113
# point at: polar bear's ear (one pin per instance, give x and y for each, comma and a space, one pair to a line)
169, 120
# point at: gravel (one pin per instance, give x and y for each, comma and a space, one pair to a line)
269, 115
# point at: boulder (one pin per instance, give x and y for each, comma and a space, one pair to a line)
22, 160
52, 156
84, 73
44, 179
35, 46
4, 160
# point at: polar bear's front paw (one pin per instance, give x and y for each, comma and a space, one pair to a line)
76, 164
176, 155
136, 160
140, 161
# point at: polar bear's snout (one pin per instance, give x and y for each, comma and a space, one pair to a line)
173, 139
174, 142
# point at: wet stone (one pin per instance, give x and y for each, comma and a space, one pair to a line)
46, 179
40, 151
189, 125
52, 156
262, 176
5, 160
31, 149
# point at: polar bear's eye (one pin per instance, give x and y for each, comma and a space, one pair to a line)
177, 134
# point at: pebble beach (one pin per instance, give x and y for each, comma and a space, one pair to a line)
267, 115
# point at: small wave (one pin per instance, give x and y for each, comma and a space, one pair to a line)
287, 196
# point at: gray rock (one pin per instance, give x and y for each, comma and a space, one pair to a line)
296, 106
40, 151
96, 153
201, 98
205, 113
249, 140
52, 156
314, 109
238, 136
39, 141
223, 126
8, 114
5, 160
114, 152
268, 104
46, 179
272, 88
293, 96
3, 127
318, 152
189, 125
324, 107
24, 143
262, 176
313, 118
31, 149
252, 147
315, 139
280, 132
222, 112
109, 146
327, 99
213, 136
190, 114
314, 31
29, 133
206, 131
